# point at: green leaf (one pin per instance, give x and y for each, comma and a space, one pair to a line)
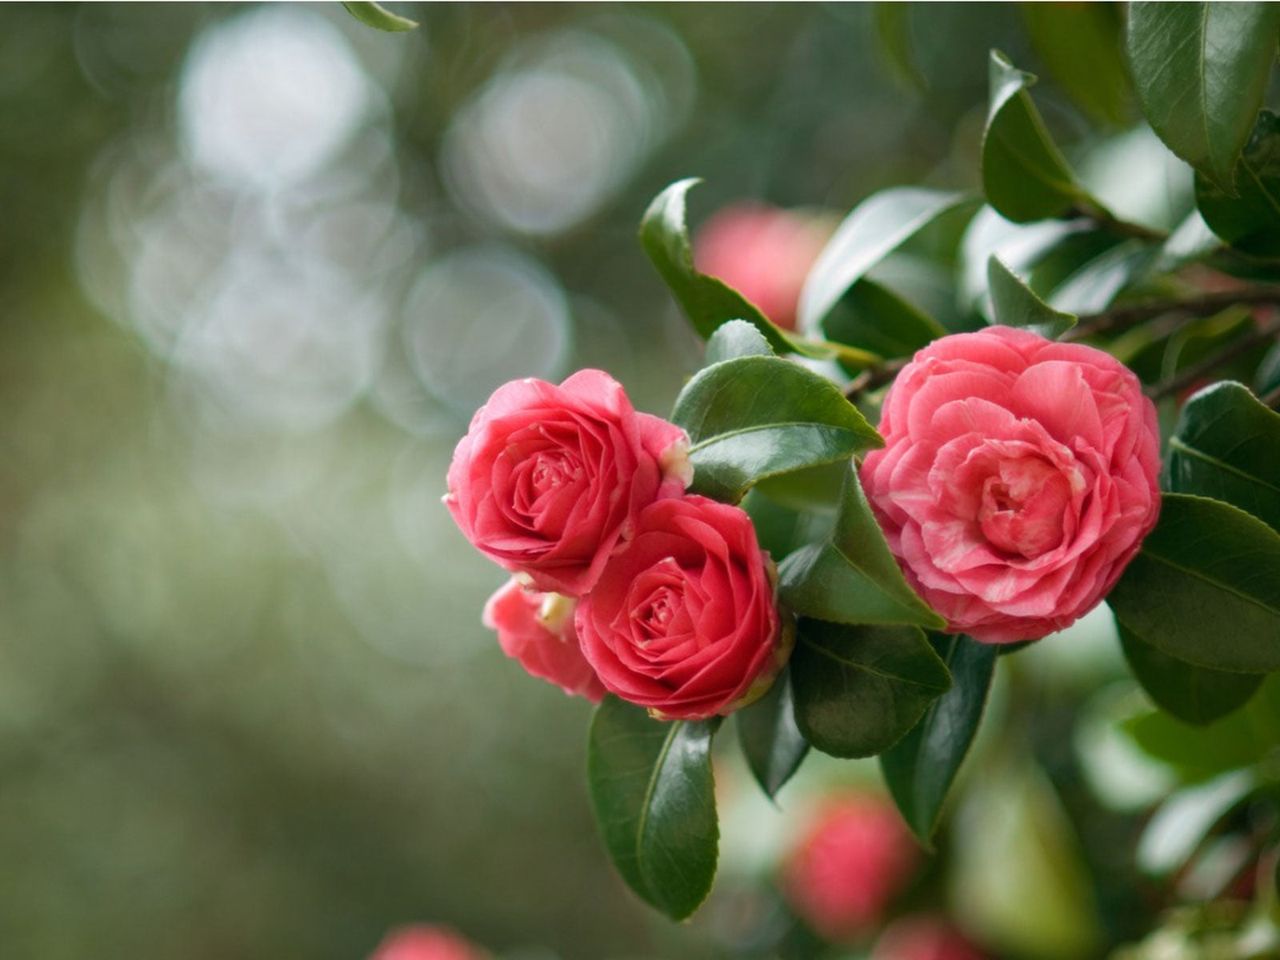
1016, 305
919, 769
873, 317
1024, 175
735, 339
654, 801
872, 230
1082, 45
1092, 286
377, 16
1186, 818
1201, 71
1196, 695
858, 690
755, 417
1250, 222
1227, 446
852, 578
709, 302
1205, 588
1240, 739
771, 741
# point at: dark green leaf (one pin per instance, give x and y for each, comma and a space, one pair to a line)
734, 339
1091, 287
709, 302
771, 741
1201, 71
1267, 377
858, 690
1205, 588
852, 578
1227, 446
1024, 175
920, 767
654, 800
376, 16
755, 417
875, 318
1082, 44
872, 230
893, 28
1251, 220
1014, 304
1193, 694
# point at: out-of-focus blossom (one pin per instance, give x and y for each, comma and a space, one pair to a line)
764, 253
855, 857
426, 942
924, 937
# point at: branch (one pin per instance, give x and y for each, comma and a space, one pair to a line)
1188, 376
1109, 221
1205, 304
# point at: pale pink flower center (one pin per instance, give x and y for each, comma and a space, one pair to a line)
1022, 506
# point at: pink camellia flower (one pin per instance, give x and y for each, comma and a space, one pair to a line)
682, 620
1017, 480
924, 938
548, 479
764, 253
537, 629
853, 859
424, 942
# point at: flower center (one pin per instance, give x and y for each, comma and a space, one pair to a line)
654, 615
1022, 507
552, 471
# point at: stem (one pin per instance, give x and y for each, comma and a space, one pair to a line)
1108, 220
1191, 374
1132, 314
876, 376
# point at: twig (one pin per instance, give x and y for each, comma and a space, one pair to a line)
1191, 374
1132, 314
1109, 221
876, 376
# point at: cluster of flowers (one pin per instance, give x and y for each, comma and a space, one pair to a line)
622, 582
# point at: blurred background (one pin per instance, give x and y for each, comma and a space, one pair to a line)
258, 265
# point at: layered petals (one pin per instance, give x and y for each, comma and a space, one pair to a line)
1017, 480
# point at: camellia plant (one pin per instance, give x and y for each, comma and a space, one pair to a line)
857, 506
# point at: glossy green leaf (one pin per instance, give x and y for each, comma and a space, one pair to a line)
1227, 446
1201, 71
1249, 221
1093, 285
1024, 174
873, 317
858, 690
872, 230
1014, 304
1205, 588
1195, 695
754, 417
771, 741
377, 16
920, 767
852, 578
1082, 45
654, 801
735, 339
709, 302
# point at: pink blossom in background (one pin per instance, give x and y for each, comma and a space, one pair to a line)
425, 942
550, 478
853, 859
924, 938
537, 630
683, 620
1018, 478
764, 253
